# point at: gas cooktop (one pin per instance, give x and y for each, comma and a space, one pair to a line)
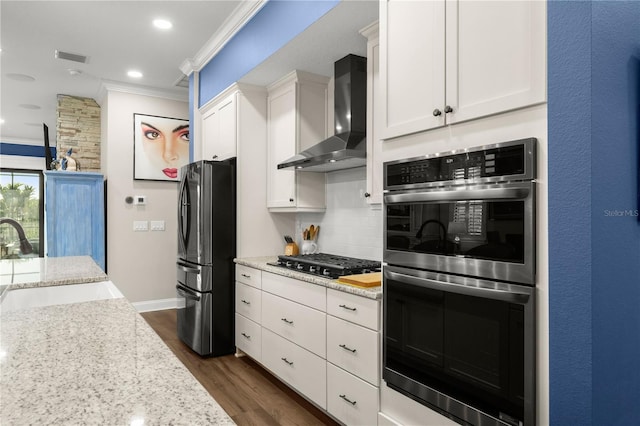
327, 265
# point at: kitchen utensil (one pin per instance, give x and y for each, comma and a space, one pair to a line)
312, 232
288, 239
309, 247
291, 249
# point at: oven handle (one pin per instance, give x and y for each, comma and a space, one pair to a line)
511, 296
460, 195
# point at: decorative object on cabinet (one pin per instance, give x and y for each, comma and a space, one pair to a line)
74, 212
160, 146
468, 60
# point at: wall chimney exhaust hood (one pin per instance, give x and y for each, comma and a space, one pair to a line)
348, 147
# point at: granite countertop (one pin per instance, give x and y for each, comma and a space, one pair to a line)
48, 271
262, 264
95, 362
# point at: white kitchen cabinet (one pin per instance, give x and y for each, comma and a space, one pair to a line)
349, 399
248, 337
219, 122
304, 326
296, 120
353, 357
301, 369
444, 62
374, 145
248, 311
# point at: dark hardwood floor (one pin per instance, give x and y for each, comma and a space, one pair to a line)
245, 390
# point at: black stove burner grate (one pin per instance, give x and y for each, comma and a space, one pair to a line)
328, 265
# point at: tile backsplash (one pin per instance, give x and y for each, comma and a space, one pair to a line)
349, 226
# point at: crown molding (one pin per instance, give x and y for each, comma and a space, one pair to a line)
240, 16
182, 94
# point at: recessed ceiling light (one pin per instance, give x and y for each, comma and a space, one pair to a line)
162, 24
20, 77
134, 74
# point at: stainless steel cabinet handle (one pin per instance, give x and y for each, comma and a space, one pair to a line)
213, 157
367, 195
345, 347
287, 361
246, 336
348, 400
448, 109
437, 112
246, 276
347, 307
286, 320
245, 302
291, 200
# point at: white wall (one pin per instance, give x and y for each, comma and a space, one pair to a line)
141, 264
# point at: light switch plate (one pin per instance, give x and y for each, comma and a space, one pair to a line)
140, 225
157, 225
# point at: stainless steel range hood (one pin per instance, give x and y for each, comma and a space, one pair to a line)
348, 147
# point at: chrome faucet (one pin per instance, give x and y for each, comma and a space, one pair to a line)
25, 246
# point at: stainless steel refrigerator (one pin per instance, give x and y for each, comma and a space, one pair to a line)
206, 248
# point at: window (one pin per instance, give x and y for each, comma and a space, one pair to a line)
21, 199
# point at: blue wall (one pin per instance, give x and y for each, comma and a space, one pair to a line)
594, 232
277, 23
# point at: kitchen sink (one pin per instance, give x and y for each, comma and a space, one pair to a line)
25, 298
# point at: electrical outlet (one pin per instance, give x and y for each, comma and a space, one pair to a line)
140, 225
140, 200
157, 225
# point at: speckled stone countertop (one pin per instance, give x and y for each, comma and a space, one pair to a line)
95, 362
48, 271
262, 264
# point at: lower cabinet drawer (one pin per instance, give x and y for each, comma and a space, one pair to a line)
248, 301
300, 324
301, 369
354, 348
249, 337
349, 399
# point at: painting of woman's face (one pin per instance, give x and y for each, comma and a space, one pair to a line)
161, 147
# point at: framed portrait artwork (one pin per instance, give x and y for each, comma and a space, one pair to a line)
160, 147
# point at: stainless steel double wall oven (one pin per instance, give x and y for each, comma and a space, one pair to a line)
459, 282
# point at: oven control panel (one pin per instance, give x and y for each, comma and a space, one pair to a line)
505, 161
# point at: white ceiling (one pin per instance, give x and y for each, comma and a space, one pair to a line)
117, 36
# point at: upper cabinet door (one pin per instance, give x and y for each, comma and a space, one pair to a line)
495, 54
219, 130
412, 59
448, 61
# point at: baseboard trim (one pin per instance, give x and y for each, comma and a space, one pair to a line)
156, 305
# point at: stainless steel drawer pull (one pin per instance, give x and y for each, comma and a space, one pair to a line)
347, 307
287, 361
246, 276
345, 347
348, 400
246, 336
245, 302
286, 320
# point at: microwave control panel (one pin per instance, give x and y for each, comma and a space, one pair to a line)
495, 162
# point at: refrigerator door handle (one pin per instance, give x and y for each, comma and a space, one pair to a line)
186, 293
183, 217
187, 268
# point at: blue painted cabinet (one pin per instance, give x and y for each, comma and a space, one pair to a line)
74, 215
